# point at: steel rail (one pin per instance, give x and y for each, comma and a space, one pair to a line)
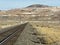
9, 37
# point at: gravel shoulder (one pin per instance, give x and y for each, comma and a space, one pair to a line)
27, 37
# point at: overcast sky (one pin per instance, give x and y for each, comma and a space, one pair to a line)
11, 4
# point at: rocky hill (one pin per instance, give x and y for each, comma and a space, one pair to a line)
35, 12
37, 6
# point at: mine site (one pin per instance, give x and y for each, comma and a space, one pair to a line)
35, 24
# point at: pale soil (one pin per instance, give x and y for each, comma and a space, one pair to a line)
36, 35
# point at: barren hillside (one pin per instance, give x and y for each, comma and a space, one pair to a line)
35, 12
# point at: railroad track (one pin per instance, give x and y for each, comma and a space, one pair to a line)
9, 37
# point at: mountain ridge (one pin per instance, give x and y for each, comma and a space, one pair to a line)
37, 6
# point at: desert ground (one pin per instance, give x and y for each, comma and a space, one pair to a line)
43, 27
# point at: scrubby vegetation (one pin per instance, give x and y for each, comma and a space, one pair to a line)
46, 35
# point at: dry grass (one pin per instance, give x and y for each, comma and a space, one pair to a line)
49, 34
8, 24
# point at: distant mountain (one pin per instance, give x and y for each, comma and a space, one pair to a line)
37, 6
45, 12
32, 9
